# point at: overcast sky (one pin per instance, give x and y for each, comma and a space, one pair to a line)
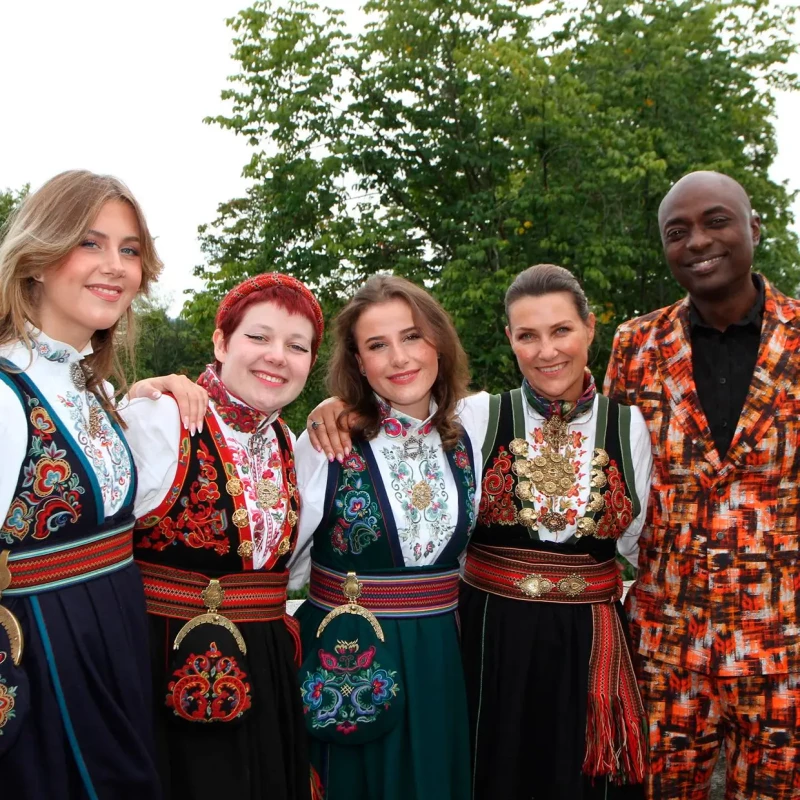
122, 88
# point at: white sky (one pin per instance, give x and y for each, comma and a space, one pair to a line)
123, 89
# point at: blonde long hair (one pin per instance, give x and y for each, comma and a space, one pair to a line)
42, 232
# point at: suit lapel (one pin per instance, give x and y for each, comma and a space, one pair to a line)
673, 345
780, 342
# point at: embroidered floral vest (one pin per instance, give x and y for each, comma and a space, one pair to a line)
202, 524
358, 531
499, 514
58, 497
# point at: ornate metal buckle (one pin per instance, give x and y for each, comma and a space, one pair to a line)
534, 585
7, 619
212, 595
351, 589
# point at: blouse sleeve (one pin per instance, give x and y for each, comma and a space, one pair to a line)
642, 456
153, 433
312, 474
14, 436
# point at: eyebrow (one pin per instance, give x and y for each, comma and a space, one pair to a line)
269, 329
382, 336
713, 210
101, 235
554, 325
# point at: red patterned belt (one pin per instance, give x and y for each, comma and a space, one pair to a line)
70, 563
240, 597
616, 727
547, 577
398, 595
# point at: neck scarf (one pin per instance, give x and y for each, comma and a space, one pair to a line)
395, 424
233, 411
566, 409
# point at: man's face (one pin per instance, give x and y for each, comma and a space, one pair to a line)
709, 233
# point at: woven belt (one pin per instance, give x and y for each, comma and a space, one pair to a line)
546, 577
70, 563
241, 596
396, 595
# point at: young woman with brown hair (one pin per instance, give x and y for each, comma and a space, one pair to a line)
382, 682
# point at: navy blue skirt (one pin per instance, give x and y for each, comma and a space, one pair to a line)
89, 730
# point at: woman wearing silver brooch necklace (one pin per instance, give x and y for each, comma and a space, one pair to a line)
554, 707
216, 526
75, 716
382, 683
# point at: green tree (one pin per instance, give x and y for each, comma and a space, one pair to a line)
458, 141
9, 200
165, 345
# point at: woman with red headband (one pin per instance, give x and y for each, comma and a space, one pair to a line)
217, 523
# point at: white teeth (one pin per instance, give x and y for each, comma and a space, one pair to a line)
551, 369
109, 292
269, 378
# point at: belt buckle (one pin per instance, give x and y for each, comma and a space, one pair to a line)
7, 619
351, 589
212, 597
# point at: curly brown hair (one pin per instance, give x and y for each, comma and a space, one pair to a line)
346, 381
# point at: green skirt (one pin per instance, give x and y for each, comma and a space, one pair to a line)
426, 755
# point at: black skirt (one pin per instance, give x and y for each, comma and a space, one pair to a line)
526, 667
265, 755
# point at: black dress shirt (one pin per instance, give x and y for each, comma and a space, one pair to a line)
723, 364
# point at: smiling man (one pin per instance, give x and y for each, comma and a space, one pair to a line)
715, 608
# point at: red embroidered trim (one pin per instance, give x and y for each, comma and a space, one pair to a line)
209, 688
497, 503
618, 514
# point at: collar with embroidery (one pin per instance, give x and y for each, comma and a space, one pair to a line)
396, 424
234, 412
54, 351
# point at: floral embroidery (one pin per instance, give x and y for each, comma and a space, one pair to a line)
199, 524
209, 688
8, 697
107, 450
461, 458
50, 496
357, 524
409, 464
45, 351
348, 689
397, 425
619, 510
497, 504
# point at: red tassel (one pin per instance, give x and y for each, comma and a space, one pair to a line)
293, 626
317, 790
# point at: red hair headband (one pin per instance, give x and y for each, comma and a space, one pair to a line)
265, 281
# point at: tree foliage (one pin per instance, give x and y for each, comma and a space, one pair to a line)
9, 200
456, 142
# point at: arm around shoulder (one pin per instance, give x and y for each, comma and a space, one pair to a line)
154, 436
312, 478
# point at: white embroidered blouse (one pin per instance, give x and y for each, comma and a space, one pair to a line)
49, 368
474, 413
408, 452
153, 434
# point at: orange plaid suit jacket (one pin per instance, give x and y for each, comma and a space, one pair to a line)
719, 567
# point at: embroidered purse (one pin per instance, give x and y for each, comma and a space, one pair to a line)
210, 678
351, 683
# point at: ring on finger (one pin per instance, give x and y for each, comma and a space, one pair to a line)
316, 424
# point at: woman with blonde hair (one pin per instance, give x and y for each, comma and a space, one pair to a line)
74, 672
381, 533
